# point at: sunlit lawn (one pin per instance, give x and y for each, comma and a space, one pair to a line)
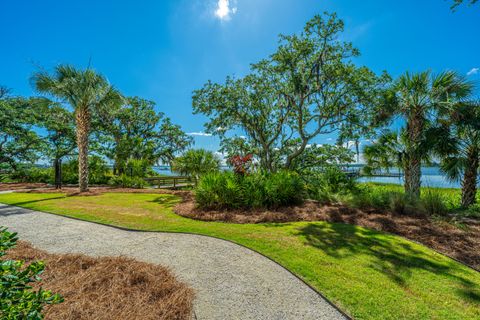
368, 274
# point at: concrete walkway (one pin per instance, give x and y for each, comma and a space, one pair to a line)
231, 282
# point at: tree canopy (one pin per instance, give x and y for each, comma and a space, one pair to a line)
18, 140
310, 86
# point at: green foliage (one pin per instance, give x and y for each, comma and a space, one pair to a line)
418, 98
433, 203
125, 181
59, 124
135, 130
456, 3
308, 87
317, 156
196, 162
283, 188
324, 185
138, 168
31, 173
19, 143
18, 300
257, 190
402, 204
99, 172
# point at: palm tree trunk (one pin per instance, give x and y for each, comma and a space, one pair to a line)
415, 128
82, 118
469, 182
415, 178
407, 177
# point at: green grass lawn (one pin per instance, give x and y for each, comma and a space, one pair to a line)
368, 274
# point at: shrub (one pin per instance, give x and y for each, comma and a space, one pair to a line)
256, 190
18, 300
366, 196
325, 185
126, 181
433, 203
33, 174
283, 188
402, 204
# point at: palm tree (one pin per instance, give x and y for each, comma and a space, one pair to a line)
464, 162
386, 153
417, 98
86, 91
196, 163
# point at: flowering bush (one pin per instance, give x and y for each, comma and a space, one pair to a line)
241, 164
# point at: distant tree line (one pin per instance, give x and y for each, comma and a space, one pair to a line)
80, 113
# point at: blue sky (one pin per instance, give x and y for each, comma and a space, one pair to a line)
163, 50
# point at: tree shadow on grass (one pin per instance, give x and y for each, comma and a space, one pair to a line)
395, 259
166, 201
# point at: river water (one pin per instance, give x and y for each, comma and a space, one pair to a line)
431, 177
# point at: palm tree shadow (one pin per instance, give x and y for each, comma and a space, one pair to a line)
395, 260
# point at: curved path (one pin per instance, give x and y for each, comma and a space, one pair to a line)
231, 282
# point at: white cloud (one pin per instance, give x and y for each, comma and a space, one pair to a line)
200, 134
225, 9
473, 71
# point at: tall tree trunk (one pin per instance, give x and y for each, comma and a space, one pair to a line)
407, 176
83, 127
415, 129
415, 178
469, 182
57, 163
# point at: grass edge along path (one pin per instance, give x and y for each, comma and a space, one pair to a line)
368, 274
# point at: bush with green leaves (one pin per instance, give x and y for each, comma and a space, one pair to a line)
226, 190
33, 174
325, 184
433, 203
18, 300
125, 181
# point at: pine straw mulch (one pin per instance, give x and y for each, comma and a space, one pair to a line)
5, 186
108, 287
95, 191
461, 243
